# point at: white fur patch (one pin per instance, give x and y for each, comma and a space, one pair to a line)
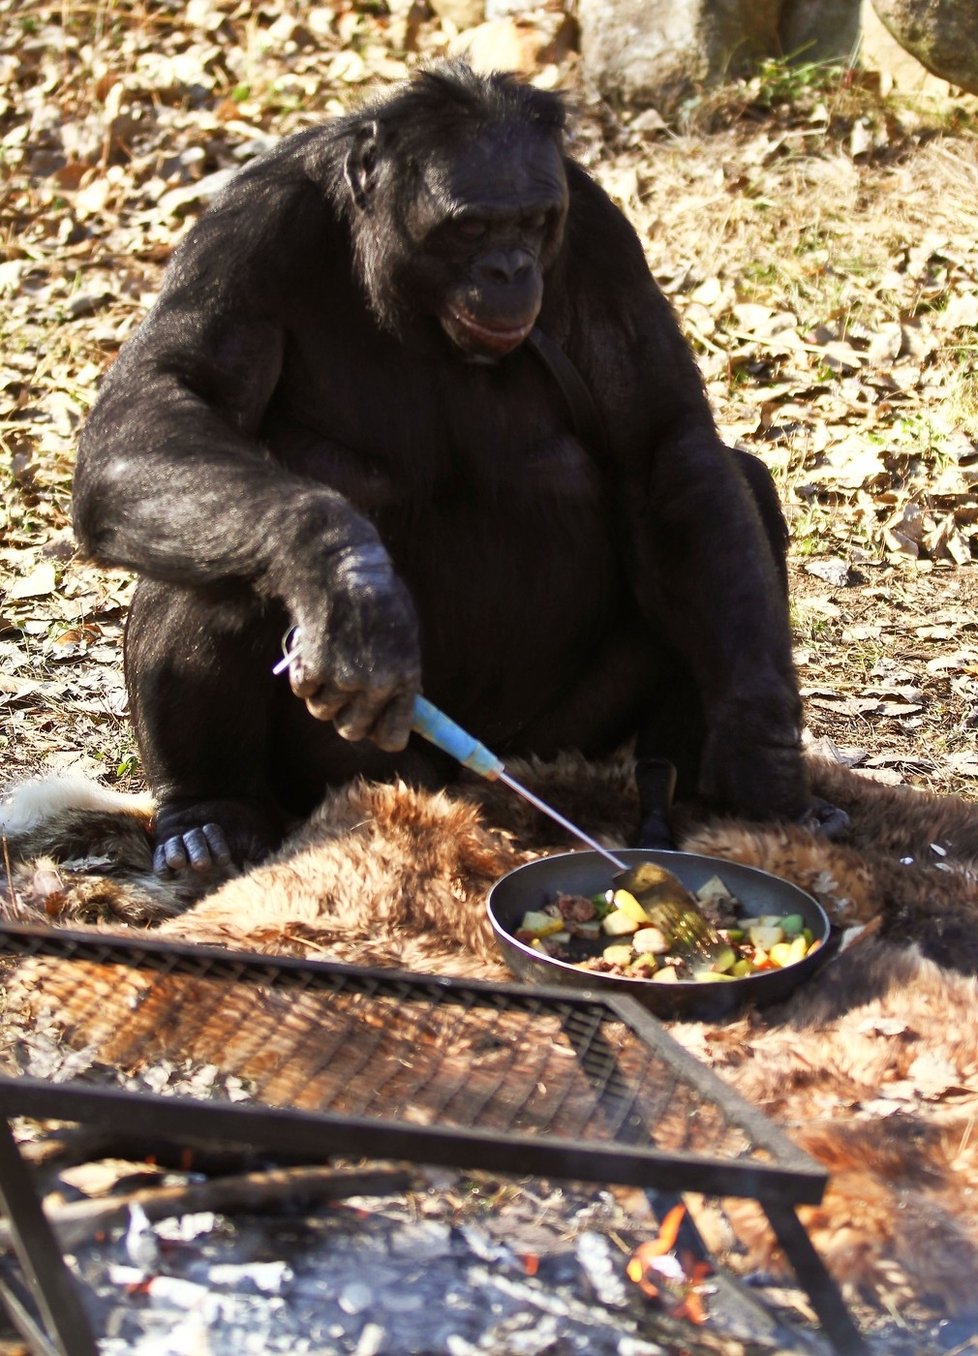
32, 803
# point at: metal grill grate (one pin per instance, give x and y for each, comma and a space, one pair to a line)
319, 1058
388, 1049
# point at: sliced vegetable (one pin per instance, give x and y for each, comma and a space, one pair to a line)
715, 894
627, 904
540, 924
650, 939
765, 935
603, 903
619, 924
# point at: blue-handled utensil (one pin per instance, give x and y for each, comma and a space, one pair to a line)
433, 725
436, 727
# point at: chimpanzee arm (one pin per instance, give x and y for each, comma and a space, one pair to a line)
699, 560
706, 577
173, 482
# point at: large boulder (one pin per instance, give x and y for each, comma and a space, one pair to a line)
659, 51
897, 69
941, 34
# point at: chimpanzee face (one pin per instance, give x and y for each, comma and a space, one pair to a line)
466, 234
488, 223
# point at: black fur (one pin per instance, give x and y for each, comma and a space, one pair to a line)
329, 419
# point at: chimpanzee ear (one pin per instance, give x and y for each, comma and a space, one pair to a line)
361, 165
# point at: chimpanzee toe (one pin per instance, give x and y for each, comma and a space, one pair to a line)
825, 819
211, 838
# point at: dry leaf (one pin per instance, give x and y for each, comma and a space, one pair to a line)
38, 584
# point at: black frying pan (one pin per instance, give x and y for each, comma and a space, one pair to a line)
586, 873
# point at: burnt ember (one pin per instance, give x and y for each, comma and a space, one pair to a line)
392, 1275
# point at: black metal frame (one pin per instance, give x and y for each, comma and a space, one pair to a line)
787, 1180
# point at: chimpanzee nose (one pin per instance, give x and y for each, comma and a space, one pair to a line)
503, 266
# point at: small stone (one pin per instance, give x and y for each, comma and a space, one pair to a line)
355, 1297
372, 1341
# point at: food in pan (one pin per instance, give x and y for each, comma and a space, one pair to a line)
664, 933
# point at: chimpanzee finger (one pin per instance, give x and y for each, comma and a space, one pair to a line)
323, 702
300, 684
310, 686
393, 728
356, 719
198, 850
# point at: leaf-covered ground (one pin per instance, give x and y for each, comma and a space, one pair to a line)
819, 241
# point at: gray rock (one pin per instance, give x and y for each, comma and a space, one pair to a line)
941, 34
658, 52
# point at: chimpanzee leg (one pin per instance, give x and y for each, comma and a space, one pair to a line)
670, 741
199, 674
668, 750
822, 817
765, 494
224, 741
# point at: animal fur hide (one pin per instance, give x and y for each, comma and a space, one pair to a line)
872, 1066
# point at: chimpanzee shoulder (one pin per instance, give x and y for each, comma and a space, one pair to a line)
619, 327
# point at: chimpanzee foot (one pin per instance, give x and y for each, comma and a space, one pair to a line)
656, 782
825, 819
201, 850
208, 838
655, 832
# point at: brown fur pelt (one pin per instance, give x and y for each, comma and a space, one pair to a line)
872, 1066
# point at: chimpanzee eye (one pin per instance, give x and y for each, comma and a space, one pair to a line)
470, 228
536, 222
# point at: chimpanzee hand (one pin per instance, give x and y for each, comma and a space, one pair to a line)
753, 765
358, 662
752, 760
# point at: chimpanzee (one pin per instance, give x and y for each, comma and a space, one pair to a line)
410, 387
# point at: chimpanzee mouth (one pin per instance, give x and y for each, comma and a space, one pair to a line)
497, 340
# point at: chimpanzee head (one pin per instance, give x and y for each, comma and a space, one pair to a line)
456, 193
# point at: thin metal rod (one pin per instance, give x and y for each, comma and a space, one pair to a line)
19, 1313
820, 1286
321, 1133
40, 1254
558, 818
